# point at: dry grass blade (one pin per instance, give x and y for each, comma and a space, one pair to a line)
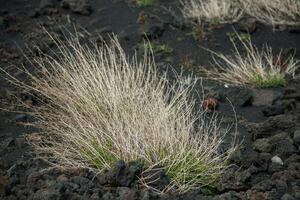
275, 12
216, 11
252, 68
103, 107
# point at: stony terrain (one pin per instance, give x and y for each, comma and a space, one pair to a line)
267, 163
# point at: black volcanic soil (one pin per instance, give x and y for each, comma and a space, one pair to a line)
267, 164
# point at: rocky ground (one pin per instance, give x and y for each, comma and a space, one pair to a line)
267, 164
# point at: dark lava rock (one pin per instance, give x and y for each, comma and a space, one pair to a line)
265, 185
231, 195
287, 175
151, 31
287, 197
4, 144
296, 137
46, 194
21, 118
265, 97
283, 144
156, 178
293, 162
273, 110
294, 29
82, 7
292, 93
126, 193
248, 25
272, 126
238, 96
233, 179
254, 195
3, 23
46, 4
275, 167
281, 186
263, 145
127, 33
121, 174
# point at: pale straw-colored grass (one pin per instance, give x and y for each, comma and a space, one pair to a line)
274, 12
215, 11
98, 107
252, 67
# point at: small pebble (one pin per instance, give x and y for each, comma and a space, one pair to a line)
277, 160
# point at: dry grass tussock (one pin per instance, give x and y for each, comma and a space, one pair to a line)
252, 67
275, 12
103, 107
216, 11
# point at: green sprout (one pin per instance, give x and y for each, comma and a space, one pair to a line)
145, 3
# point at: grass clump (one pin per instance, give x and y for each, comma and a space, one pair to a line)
145, 3
253, 68
221, 11
270, 80
274, 12
103, 107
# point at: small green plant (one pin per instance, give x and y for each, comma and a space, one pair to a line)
160, 48
198, 32
252, 67
271, 80
145, 3
186, 61
245, 37
214, 23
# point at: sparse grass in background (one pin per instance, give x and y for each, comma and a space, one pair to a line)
161, 48
214, 11
102, 107
198, 32
275, 12
253, 67
145, 3
239, 36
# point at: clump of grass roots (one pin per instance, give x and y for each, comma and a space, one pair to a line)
103, 107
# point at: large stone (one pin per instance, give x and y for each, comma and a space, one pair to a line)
265, 185
121, 174
265, 97
272, 126
238, 96
46, 194
283, 144
248, 25
273, 110
263, 145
